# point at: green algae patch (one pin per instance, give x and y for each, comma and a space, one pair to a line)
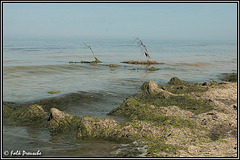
135, 110
197, 106
229, 77
174, 94
54, 92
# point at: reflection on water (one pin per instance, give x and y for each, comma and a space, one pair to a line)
32, 68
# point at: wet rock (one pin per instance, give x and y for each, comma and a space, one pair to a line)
96, 127
152, 69
34, 112
176, 81
7, 111
61, 121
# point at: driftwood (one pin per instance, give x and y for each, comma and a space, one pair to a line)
92, 62
96, 59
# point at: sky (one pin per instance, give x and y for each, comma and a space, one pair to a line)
178, 21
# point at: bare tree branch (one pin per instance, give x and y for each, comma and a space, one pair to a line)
144, 49
91, 51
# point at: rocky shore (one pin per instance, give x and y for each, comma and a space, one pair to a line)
180, 119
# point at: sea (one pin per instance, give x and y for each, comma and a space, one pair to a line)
33, 67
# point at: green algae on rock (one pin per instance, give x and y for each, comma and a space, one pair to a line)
61, 121
34, 112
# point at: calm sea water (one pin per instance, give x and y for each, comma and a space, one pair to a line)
32, 68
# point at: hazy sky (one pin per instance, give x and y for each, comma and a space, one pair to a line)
205, 21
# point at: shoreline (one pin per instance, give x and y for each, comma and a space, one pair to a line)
160, 123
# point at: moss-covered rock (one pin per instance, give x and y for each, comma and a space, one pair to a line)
176, 81
61, 121
34, 112
7, 111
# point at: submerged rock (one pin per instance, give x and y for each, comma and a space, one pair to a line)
152, 69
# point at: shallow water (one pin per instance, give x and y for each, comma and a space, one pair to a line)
32, 68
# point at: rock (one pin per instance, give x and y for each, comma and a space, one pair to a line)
96, 127
61, 121
175, 81
151, 88
34, 112
152, 69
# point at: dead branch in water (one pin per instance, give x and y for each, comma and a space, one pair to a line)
96, 59
144, 49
